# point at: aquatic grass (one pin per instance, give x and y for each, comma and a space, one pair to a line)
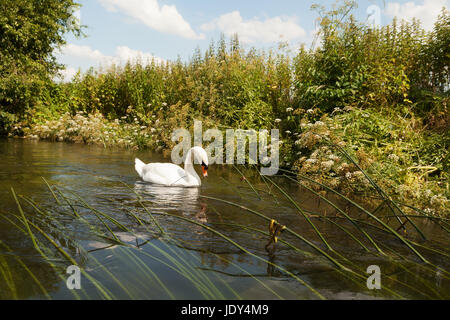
171, 252
366, 248
29, 272
146, 270
420, 279
311, 244
187, 251
46, 258
232, 186
426, 266
25, 221
51, 190
201, 276
178, 243
75, 213
71, 260
248, 273
59, 249
267, 234
248, 252
425, 215
246, 180
125, 288
191, 275
185, 268
97, 212
345, 215
68, 257
7, 276
359, 276
86, 222
238, 246
45, 214
306, 254
302, 212
392, 231
181, 265
115, 240
436, 251
347, 232
139, 198
382, 193
188, 273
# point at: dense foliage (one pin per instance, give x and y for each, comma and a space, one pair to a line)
30, 30
382, 93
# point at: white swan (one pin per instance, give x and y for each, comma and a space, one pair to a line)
169, 174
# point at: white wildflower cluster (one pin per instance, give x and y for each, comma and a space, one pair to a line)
402, 190
334, 157
308, 139
311, 161
318, 124
326, 165
93, 128
393, 157
344, 167
438, 200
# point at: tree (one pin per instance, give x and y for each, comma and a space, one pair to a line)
30, 31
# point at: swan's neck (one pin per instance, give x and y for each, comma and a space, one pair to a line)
189, 168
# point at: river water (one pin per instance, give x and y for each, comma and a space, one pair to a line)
187, 260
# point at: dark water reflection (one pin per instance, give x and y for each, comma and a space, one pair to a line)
97, 176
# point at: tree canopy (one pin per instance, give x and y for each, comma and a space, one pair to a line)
30, 31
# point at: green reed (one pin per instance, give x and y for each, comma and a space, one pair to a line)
46, 232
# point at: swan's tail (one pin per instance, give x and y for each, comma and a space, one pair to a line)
139, 166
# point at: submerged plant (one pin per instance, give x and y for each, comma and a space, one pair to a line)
139, 234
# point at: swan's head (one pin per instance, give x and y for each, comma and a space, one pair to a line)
201, 157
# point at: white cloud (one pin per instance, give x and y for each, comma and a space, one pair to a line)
85, 55
426, 12
122, 55
254, 30
84, 52
67, 74
161, 18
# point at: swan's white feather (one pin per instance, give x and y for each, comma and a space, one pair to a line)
167, 174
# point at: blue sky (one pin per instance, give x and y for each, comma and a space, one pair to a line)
119, 30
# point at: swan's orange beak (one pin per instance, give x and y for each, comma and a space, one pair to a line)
204, 170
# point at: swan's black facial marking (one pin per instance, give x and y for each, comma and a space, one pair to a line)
204, 169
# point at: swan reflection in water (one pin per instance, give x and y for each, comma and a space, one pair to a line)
170, 199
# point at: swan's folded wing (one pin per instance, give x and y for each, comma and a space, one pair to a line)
163, 173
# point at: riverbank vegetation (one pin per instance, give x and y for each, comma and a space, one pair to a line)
365, 102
